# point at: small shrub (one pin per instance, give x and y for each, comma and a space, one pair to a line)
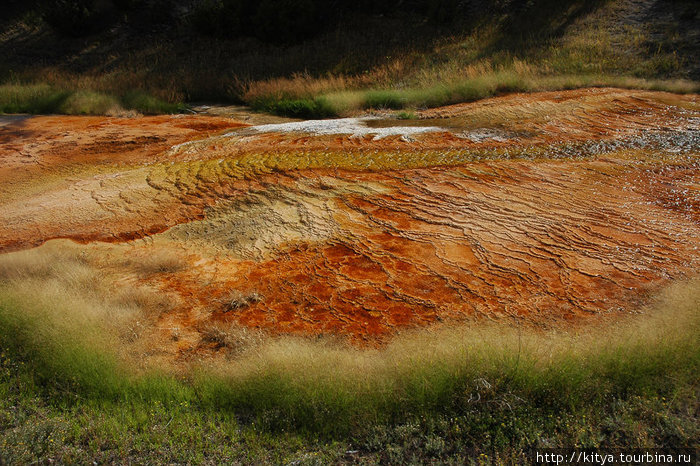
406, 115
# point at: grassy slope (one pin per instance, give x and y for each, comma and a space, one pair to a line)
64, 99
70, 391
614, 43
375, 62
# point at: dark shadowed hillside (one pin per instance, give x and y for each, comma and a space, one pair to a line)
229, 50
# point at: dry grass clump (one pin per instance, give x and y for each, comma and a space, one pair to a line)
236, 300
63, 289
152, 301
231, 337
157, 262
55, 257
61, 273
297, 86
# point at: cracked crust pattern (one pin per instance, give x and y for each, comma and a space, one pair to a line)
539, 208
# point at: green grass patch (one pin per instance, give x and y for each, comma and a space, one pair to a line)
15, 98
406, 115
485, 85
45, 99
429, 395
307, 108
385, 99
145, 103
505, 82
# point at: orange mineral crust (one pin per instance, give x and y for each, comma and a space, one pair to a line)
537, 243
57, 174
541, 209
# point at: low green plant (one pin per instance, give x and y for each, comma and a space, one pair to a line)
148, 104
406, 115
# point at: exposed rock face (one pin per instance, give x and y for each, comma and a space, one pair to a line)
538, 208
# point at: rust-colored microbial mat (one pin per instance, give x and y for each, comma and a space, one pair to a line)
542, 209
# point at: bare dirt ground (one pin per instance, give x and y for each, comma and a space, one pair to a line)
544, 209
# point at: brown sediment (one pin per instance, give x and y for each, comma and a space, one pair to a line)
541, 208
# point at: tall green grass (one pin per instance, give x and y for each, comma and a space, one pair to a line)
31, 99
487, 85
46, 99
54, 318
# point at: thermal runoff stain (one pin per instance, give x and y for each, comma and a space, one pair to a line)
541, 209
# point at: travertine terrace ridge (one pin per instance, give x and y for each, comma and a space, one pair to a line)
541, 209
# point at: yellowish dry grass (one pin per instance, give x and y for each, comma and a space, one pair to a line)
59, 314
672, 315
64, 292
62, 281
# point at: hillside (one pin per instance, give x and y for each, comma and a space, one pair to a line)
185, 51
